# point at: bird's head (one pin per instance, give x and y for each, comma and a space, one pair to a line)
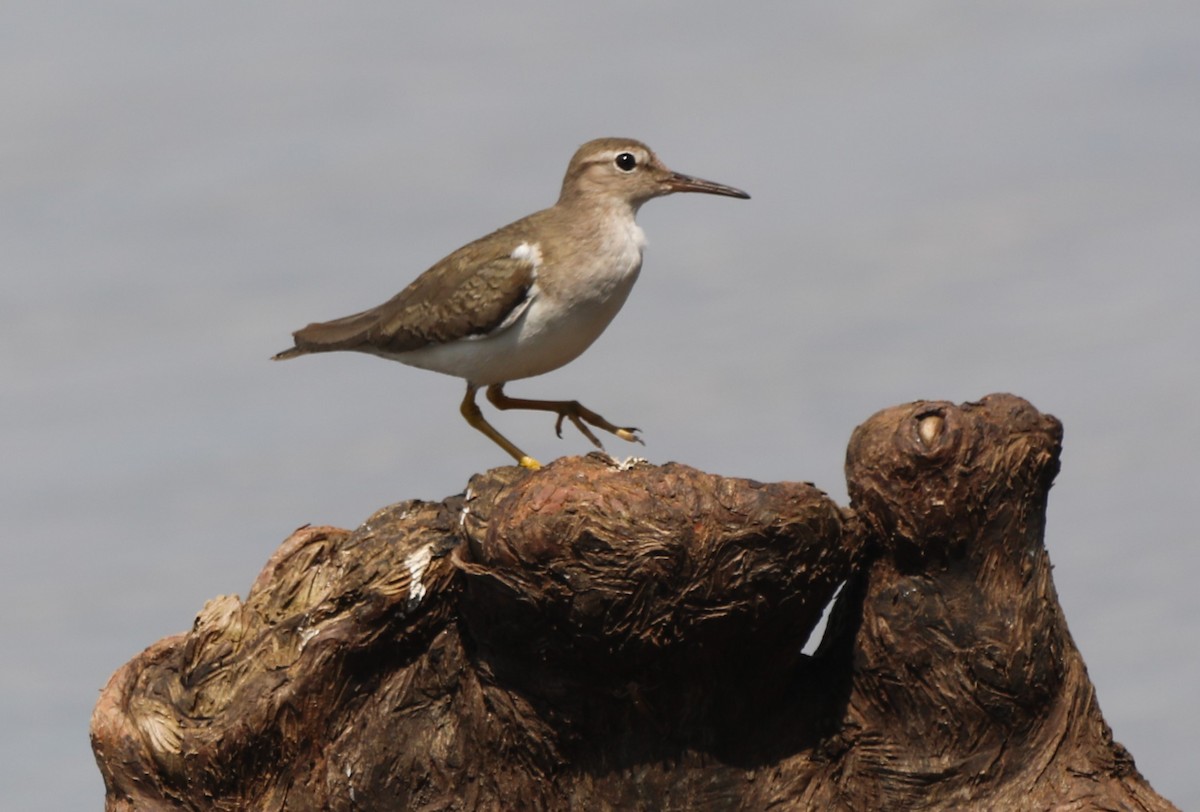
622, 170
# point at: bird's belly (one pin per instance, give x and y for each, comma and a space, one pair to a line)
553, 331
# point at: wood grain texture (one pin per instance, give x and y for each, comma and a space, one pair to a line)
598, 637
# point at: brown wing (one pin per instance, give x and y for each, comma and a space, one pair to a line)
470, 292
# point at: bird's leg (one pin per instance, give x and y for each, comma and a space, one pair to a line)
571, 410
470, 410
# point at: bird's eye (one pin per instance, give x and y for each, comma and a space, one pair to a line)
626, 162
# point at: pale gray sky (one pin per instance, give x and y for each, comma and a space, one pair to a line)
948, 200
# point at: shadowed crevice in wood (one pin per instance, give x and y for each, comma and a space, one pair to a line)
591, 636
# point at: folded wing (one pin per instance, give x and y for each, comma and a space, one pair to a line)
461, 296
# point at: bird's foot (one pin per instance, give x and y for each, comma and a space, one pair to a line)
580, 416
529, 462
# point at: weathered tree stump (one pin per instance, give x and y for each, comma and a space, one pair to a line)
592, 636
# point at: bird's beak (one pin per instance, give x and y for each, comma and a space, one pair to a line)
677, 182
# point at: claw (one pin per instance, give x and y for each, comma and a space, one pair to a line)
629, 434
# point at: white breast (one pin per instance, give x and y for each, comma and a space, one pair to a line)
568, 307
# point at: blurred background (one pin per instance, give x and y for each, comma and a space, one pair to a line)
948, 200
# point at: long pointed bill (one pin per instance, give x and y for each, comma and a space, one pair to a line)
677, 182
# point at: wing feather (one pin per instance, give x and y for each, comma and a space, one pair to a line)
469, 293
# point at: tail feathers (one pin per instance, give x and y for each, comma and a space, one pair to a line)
294, 352
346, 333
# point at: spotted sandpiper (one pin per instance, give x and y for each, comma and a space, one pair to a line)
527, 298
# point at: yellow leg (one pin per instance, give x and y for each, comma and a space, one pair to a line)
571, 410
470, 410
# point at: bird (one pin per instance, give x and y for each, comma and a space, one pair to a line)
528, 298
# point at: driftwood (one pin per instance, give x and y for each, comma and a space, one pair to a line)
593, 636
